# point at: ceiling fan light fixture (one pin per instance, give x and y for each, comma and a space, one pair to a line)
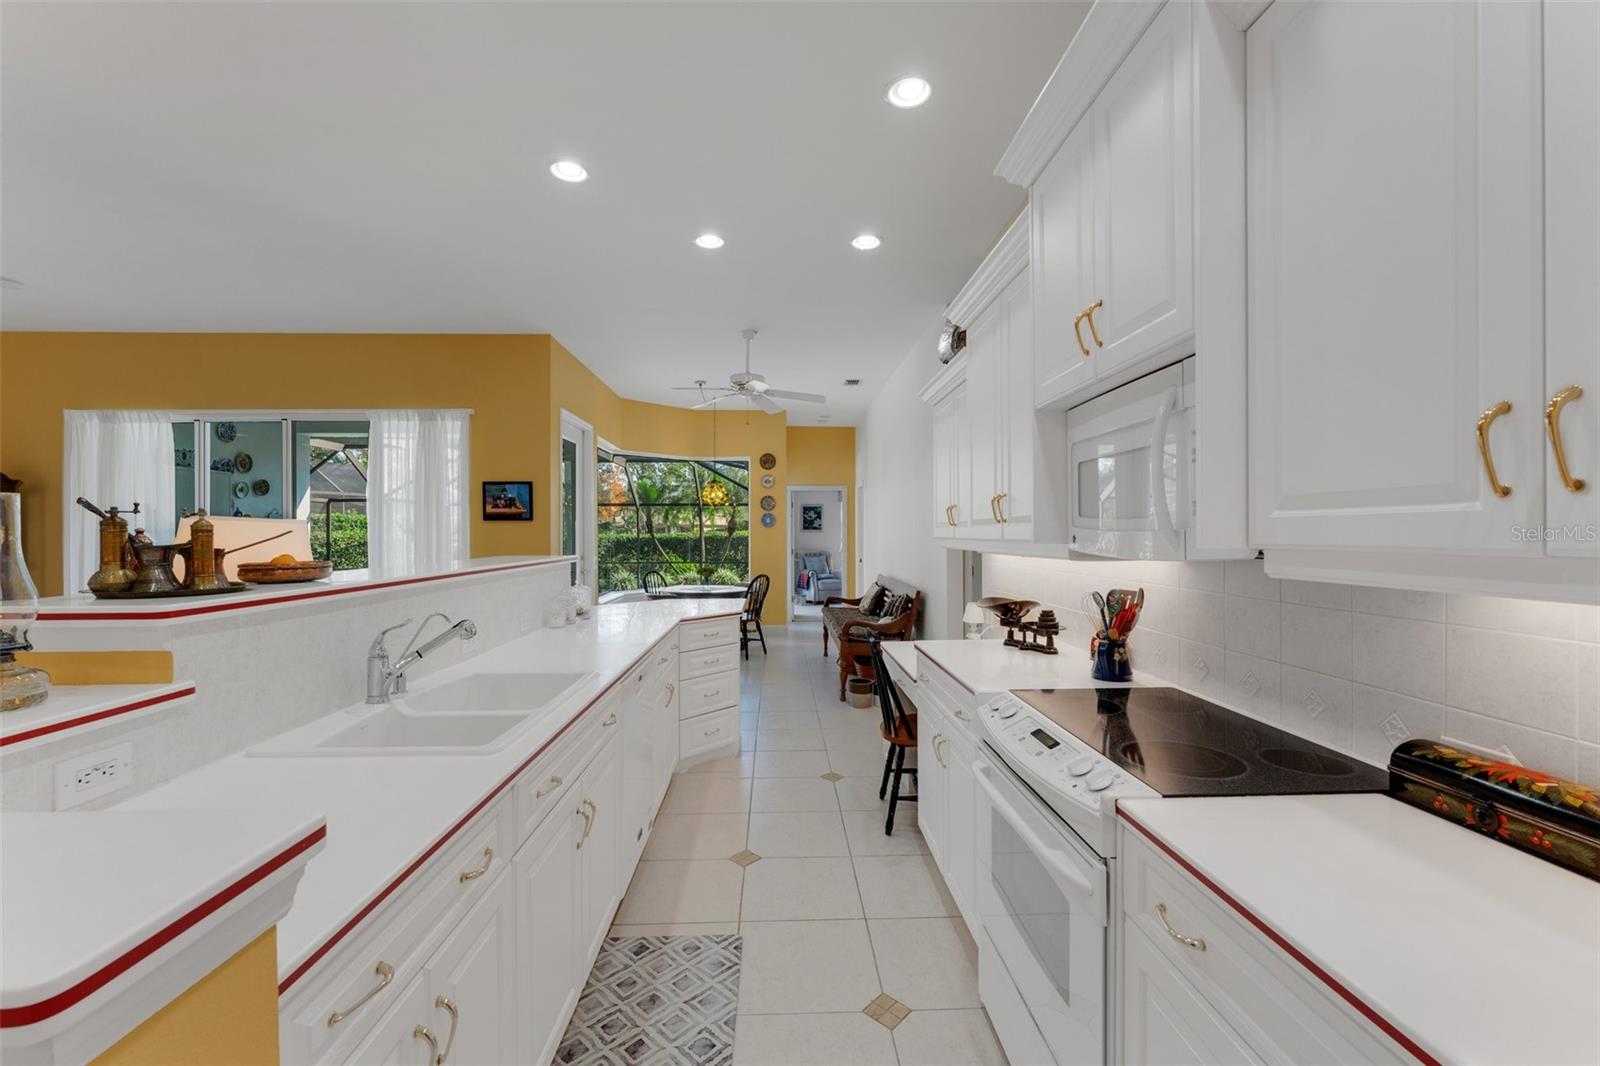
569, 170
866, 242
709, 241
908, 92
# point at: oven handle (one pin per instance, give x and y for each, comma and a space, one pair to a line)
1158, 472
1044, 852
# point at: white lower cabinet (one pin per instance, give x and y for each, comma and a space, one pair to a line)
1164, 1019
550, 968
945, 789
480, 960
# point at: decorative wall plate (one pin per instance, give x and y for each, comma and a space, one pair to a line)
241, 489
767, 481
242, 463
768, 503
768, 460
769, 520
260, 486
226, 431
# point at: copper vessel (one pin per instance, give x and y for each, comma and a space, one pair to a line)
155, 565
115, 573
202, 561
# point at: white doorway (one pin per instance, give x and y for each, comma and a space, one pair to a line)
576, 529
818, 519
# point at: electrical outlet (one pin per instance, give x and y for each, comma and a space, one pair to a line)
92, 775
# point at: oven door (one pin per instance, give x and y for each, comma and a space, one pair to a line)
1130, 469
1041, 898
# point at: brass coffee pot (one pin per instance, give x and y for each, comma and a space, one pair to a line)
117, 563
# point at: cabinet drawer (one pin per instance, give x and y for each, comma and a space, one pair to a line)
707, 731
709, 633
542, 785
398, 937
940, 689
708, 694
1266, 996
705, 661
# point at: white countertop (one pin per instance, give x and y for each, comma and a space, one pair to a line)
1477, 952
384, 812
77, 707
82, 890
84, 607
990, 666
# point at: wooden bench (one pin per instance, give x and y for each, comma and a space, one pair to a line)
848, 625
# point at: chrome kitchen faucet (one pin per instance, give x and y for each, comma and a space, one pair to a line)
384, 680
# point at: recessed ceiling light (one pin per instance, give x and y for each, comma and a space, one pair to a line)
852, 381
708, 240
866, 242
569, 170
909, 92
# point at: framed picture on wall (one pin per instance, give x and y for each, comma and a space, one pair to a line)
508, 501
811, 516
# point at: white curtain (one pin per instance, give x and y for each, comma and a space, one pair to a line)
416, 491
115, 458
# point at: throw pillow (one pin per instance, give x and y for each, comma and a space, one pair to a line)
895, 606
872, 602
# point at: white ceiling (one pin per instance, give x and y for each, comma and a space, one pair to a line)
382, 167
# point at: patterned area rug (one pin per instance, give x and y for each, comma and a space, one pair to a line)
657, 1001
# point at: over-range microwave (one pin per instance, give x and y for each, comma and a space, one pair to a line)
1131, 468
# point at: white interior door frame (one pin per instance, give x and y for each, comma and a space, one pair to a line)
581, 433
841, 555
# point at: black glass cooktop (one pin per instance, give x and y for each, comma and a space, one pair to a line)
1182, 745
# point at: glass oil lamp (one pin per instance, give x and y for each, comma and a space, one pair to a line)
20, 686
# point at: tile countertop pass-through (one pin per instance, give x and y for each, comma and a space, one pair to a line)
384, 812
1474, 951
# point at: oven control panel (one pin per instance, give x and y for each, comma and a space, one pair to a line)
1057, 764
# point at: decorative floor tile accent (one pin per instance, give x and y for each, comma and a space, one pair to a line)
831, 776
744, 858
657, 1001
886, 1010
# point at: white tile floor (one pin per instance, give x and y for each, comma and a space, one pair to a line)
834, 913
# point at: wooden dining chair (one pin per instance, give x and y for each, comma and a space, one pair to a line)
755, 598
899, 730
654, 582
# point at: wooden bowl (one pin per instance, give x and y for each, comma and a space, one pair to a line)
284, 573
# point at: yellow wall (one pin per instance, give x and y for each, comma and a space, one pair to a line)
826, 455
228, 1016
501, 378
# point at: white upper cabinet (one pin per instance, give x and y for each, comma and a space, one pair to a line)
947, 412
1396, 321
1143, 291
1572, 277
1112, 244
1063, 270
986, 370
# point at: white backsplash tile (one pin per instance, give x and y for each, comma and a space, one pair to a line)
1358, 668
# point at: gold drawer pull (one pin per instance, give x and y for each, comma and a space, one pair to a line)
1077, 331
672, 690
444, 1003
473, 875
610, 721
587, 810
713, 732
1089, 314
998, 512
555, 783
1552, 422
1187, 941
386, 974
1503, 407
422, 1032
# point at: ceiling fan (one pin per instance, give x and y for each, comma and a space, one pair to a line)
753, 387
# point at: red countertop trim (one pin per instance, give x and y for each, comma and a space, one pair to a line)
388, 890
32, 1013
109, 712
316, 594
1370, 1013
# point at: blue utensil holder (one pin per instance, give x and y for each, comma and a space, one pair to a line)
1111, 661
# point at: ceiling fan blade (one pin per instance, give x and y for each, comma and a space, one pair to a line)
701, 388
804, 397
706, 403
760, 400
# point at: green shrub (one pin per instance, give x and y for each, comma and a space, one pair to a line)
349, 548
625, 557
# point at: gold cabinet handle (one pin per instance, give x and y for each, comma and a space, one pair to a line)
385, 974
555, 783
1552, 422
422, 1032
671, 691
1503, 407
1077, 331
999, 512
993, 513
444, 1003
1093, 332
1187, 941
473, 875
611, 720
949, 515
588, 810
